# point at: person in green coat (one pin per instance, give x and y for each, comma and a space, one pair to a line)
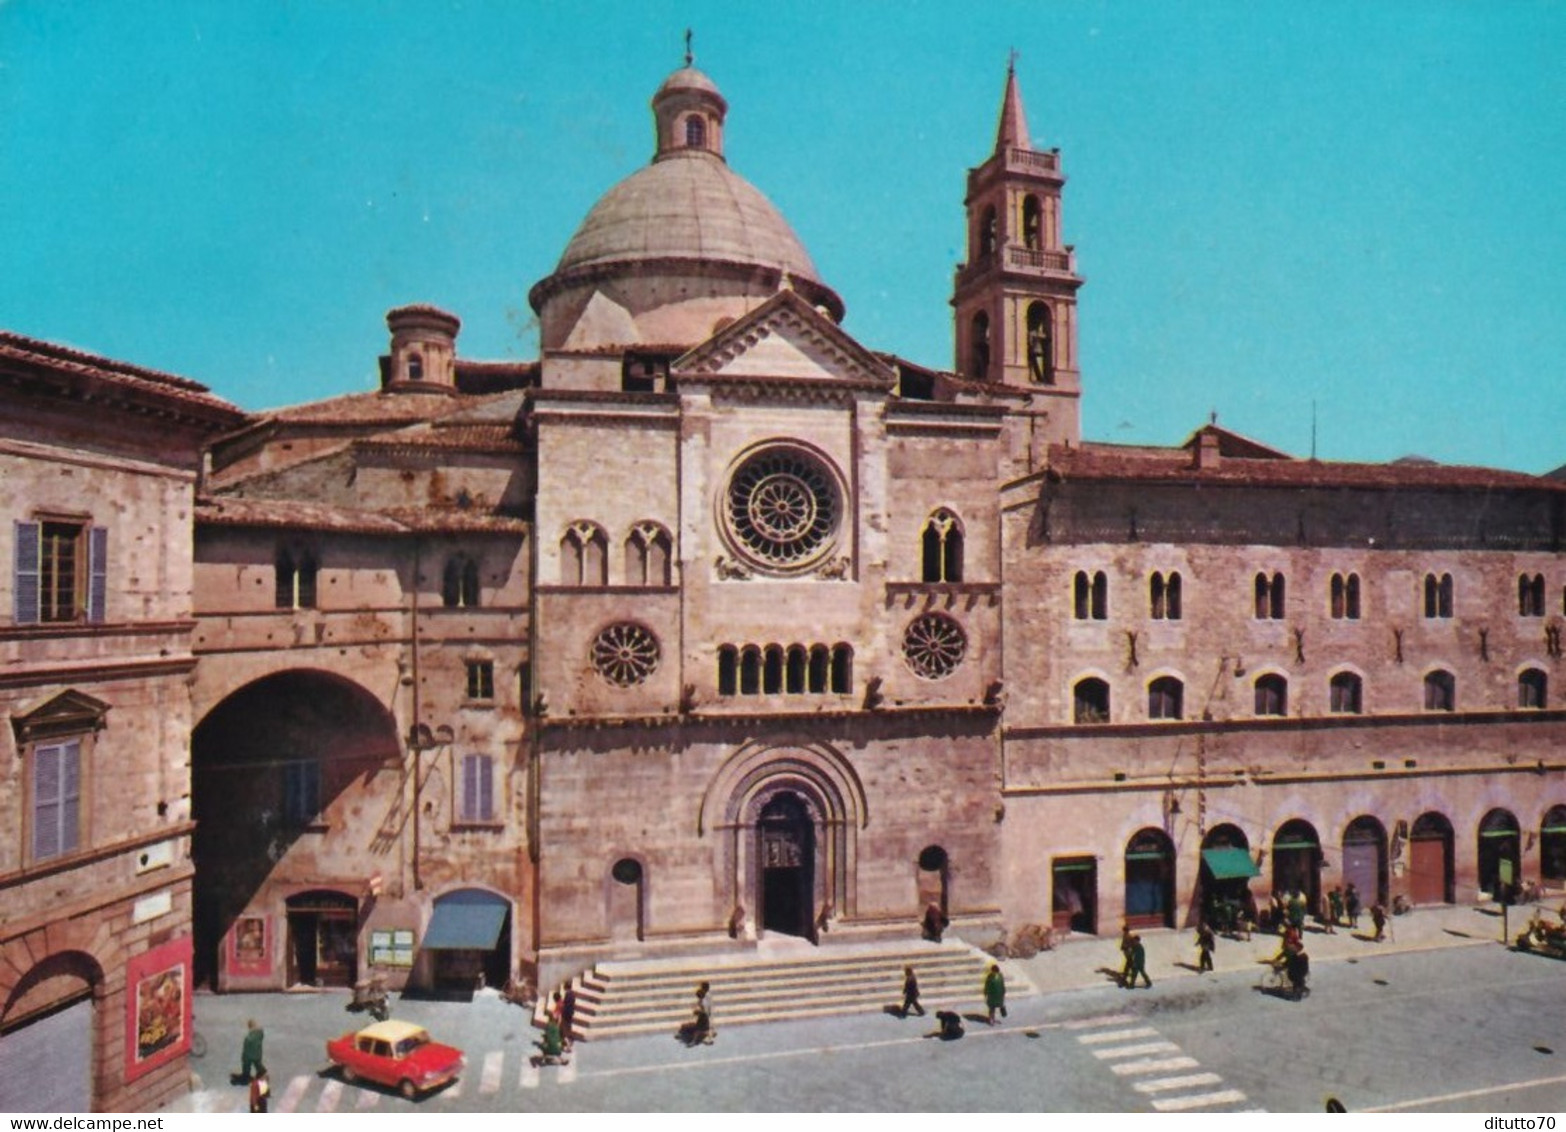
250, 1053
995, 992
1138, 962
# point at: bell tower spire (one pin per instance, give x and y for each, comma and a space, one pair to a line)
1016, 296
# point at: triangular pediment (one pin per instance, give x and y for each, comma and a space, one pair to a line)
786, 340
69, 713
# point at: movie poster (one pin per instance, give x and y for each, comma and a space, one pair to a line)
157, 1006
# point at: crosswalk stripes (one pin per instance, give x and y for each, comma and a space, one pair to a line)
489, 1076
1162, 1070
529, 1079
368, 1098
330, 1096
293, 1094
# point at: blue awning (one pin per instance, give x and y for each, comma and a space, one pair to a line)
466, 921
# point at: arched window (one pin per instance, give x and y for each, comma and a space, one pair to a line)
696, 132
728, 670
1438, 595
1272, 694
987, 233
295, 581
459, 587
1032, 223
1041, 344
942, 547
1269, 597
1090, 699
1440, 691
794, 667
1530, 595
1345, 597
842, 669
1090, 596
1533, 686
1166, 698
772, 670
1345, 694
584, 556
820, 667
415, 368
979, 346
647, 556
750, 671
1164, 596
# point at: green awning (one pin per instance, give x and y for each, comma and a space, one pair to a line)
1497, 833
466, 925
1230, 864
1295, 845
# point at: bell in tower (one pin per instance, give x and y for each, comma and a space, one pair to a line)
1016, 296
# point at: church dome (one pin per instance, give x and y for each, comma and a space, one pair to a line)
684, 226
692, 206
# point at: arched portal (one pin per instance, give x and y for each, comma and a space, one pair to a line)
1150, 880
786, 865
1499, 852
1296, 861
47, 1025
1552, 845
745, 804
267, 765
1365, 859
1225, 884
1430, 873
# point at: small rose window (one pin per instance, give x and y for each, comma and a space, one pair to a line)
625, 654
934, 645
782, 509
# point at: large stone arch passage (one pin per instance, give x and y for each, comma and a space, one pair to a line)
266, 764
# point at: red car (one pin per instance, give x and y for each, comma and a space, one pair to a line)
398, 1055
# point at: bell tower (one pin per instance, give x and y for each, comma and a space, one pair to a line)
1015, 298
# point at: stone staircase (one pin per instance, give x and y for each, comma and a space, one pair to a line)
780, 981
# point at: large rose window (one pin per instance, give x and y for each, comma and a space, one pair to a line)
934, 645
782, 509
625, 654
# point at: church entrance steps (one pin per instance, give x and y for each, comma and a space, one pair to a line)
775, 983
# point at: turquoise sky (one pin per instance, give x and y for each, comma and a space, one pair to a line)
1351, 209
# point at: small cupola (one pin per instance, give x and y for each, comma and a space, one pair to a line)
689, 113
423, 355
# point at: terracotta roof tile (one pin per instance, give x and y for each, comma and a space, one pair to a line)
301, 515
1112, 462
46, 359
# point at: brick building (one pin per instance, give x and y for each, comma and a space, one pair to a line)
714, 624
98, 469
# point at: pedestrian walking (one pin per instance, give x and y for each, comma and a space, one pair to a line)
1351, 904
1335, 908
702, 1014
911, 993
1205, 941
1297, 910
995, 992
260, 1092
1378, 917
1125, 954
567, 1014
1138, 963
250, 1052
935, 923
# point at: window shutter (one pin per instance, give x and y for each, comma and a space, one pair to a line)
97, 572
486, 787
70, 795
26, 575
470, 786
46, 802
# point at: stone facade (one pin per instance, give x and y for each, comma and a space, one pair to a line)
95, 667
713, 625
